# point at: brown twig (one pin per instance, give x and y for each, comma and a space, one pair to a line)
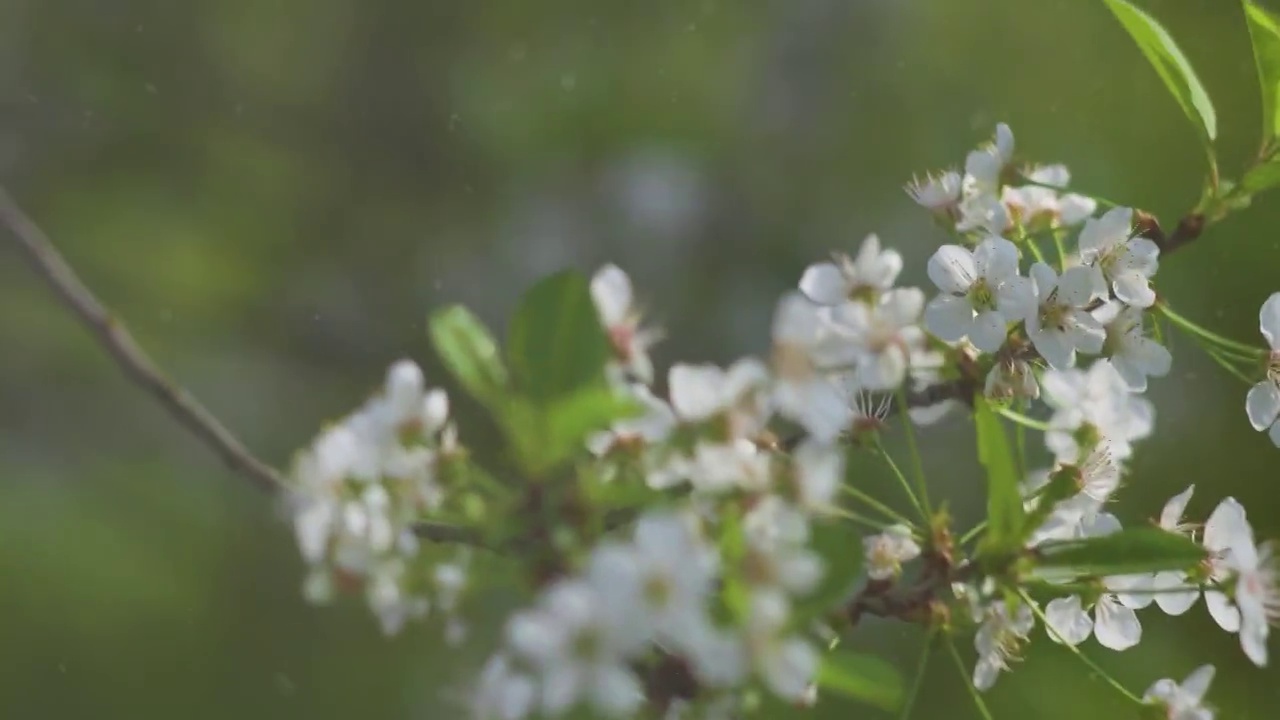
116, 339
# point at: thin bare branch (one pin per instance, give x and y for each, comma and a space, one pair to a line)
115, 338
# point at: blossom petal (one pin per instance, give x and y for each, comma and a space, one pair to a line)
1016, 297
1045, 278
952, 269
1253, 639
1274, 434
996, 259
1068, 622
1197, 683
950, 317
696, 390
1171, 514
988, 331
1269, 320
616, 691
1054, 347
1223, 612
1173, 603
1079, 286
1134, 289
1117, 626
611, 291
1263, 404
824, 284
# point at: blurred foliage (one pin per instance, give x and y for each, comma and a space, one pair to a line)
275, 195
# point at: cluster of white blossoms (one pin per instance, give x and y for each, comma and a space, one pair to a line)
359, 490
714, 576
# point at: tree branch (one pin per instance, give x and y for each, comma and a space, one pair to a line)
115, 338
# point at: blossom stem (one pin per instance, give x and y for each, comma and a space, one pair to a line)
918, 681
855, 517
1035, 249
1024, 421
968, 680
877, 505
973, 532
1210, 336
1225, 361
1062, 250
1075, 650
921, 499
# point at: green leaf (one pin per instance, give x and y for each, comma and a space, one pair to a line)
1136, 550
1262, 177
555, 344
865, 678
469, 352
1264, 32
570, 420
1004, 501
1163, 54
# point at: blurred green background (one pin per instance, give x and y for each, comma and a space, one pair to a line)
274, 195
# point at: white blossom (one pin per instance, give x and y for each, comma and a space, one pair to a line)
872, 269
883, 335
1125, 262
785, 662
1114, 622
1263, 401
817, 470
982, 293
615, 304
998, 641
739, 396
1011, 378
805, 348
1168, 581
503, 692
578, 639
1090, 405
1060, 325
938, 192
777, 534
1183, 701
886, 551
1133, 355
1252, 572
1036, 204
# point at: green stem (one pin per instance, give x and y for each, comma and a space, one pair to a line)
1249, 351
916, 461
1024, 421
968, 680
973, 532
1020, 442
902, 480
918, 681
851, 515
877, 505
1076, 651
1035, 250
1062, 251
1225, 361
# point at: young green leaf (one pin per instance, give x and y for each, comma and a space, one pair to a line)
1163, 54
1262, 177
1004, 502
1264, 32
555, 344
865, 678
1136, 550
469, 352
